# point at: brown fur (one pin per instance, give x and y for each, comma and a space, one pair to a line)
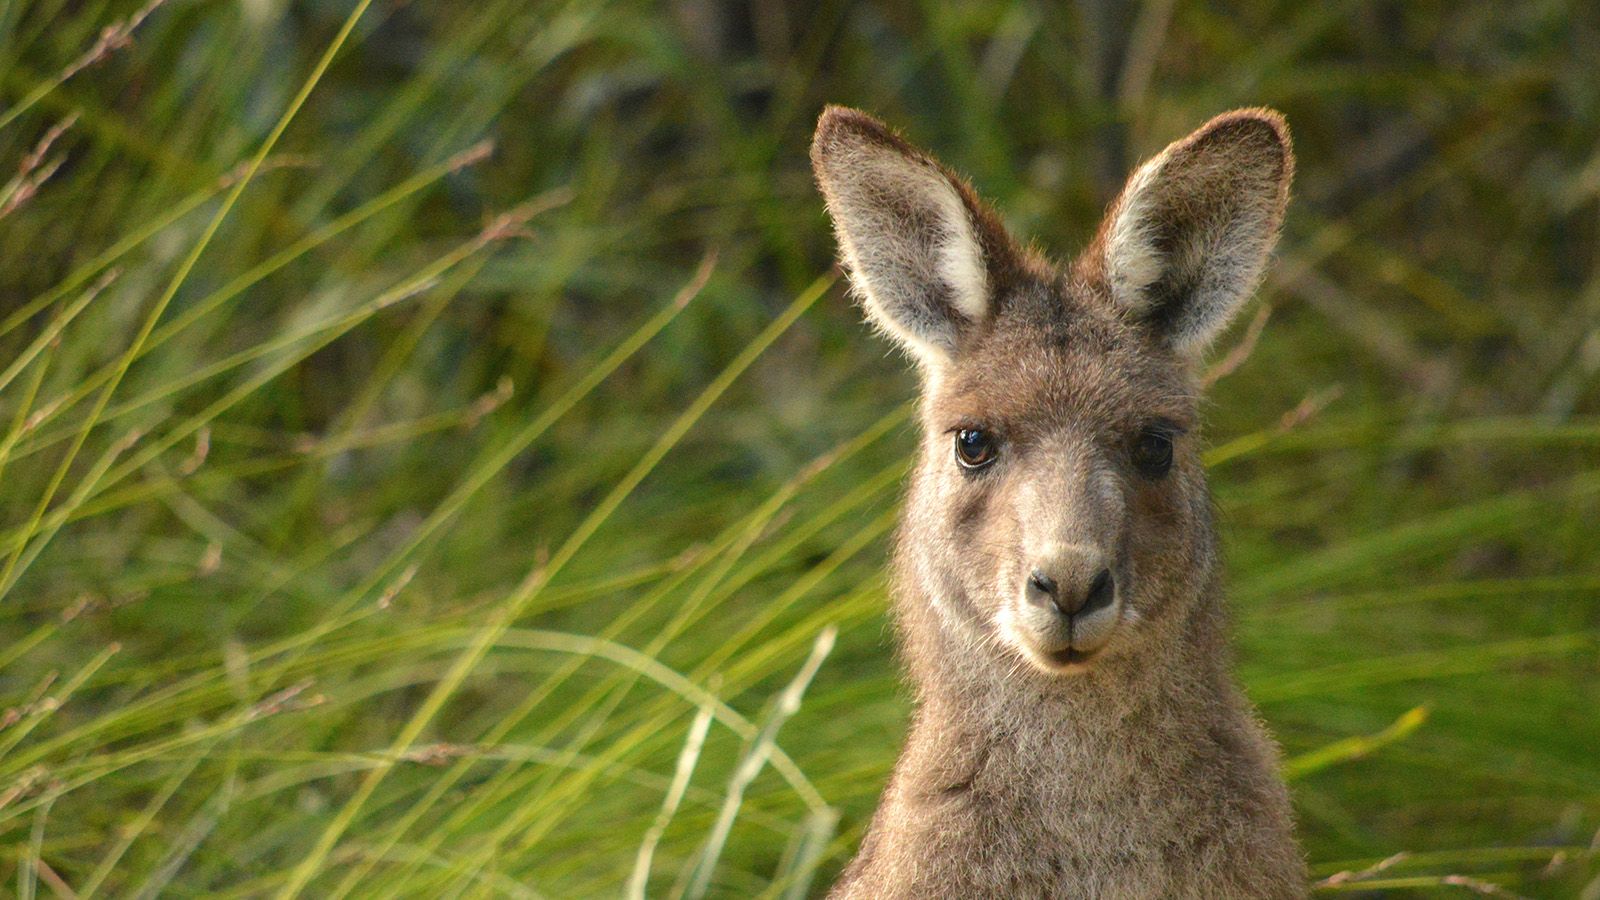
1141, 772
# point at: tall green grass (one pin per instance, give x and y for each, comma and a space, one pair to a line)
436, 459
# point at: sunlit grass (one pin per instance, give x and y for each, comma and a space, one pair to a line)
436, 460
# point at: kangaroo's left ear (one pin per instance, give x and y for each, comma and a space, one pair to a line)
1187, 242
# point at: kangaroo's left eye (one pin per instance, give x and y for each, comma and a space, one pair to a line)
1152, 451
975, 448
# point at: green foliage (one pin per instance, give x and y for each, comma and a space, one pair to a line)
382, 513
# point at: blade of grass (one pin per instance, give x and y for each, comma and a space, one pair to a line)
24, 417
692, 745
1354, 747
29, 864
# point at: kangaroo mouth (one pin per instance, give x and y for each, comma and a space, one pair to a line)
1077, 649
1056, 644
1070, 656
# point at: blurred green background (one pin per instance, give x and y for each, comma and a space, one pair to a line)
387, 512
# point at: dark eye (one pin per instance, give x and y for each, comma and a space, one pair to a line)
975, 448
1152, 451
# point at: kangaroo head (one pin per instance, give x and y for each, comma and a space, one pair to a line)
1058, 510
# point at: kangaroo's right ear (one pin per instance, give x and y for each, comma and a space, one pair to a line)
914, 240
1188, 240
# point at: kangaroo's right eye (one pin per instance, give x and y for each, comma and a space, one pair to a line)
975, 448
1152, 451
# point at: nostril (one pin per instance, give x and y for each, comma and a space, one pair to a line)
1101, 591
1042, 589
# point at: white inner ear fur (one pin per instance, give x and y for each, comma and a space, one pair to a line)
909, 243
1133, 264
960, 255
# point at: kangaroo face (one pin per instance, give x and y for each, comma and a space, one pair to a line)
1058, 479
1058, 501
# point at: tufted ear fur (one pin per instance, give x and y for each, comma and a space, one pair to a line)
1186, 243
919, 248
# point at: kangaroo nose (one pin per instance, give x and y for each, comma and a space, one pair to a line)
1043, 589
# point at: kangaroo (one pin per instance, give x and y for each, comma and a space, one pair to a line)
1058, 597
